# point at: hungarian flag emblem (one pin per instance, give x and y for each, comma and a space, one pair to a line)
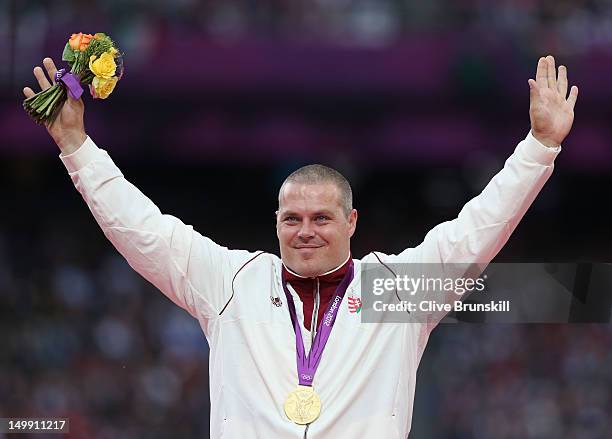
354, 304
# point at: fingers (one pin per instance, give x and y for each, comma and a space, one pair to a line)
542, 73
573, 96
43, 81
51, 69
551, 72
41, 78
533, 86
28, 92
562, 81
546, 77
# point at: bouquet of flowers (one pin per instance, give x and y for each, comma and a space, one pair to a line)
95, 61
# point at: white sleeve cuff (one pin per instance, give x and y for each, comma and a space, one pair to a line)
534, 151
81, 157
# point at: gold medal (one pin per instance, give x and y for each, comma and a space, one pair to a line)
303, 405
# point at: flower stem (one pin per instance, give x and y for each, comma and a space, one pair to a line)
48, 99
52, 104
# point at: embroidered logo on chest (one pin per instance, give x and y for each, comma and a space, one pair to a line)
354, 304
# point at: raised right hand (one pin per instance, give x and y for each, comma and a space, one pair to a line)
68, 129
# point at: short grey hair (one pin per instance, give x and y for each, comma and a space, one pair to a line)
315, 174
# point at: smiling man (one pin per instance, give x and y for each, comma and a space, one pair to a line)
315, 220
289, 357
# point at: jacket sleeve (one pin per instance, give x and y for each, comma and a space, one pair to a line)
486, 222
465, 245
193, 271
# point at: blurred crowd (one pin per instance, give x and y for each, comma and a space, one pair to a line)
97, 345
570, 25
516, 381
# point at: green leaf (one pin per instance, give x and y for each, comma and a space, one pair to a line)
103, 35
68, 54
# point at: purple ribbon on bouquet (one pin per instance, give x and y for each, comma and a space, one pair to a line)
71, 82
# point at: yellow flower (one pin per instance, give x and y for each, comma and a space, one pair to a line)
103, 87
104, 67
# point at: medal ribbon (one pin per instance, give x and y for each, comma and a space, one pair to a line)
307, 365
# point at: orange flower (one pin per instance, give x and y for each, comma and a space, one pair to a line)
80, 41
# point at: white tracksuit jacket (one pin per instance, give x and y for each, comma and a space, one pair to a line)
367, 376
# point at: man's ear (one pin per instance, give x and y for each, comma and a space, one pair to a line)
352, 220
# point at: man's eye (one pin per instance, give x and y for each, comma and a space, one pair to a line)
291, 219
322, 218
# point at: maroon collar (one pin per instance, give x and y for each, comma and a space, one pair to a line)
305, 288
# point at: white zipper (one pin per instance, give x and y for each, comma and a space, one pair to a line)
315, 313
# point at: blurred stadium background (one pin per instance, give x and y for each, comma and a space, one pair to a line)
418, 103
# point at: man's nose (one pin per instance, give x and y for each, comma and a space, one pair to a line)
306, 231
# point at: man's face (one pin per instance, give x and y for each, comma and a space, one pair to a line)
313, 230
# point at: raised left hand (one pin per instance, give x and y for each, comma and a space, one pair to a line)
550, 109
